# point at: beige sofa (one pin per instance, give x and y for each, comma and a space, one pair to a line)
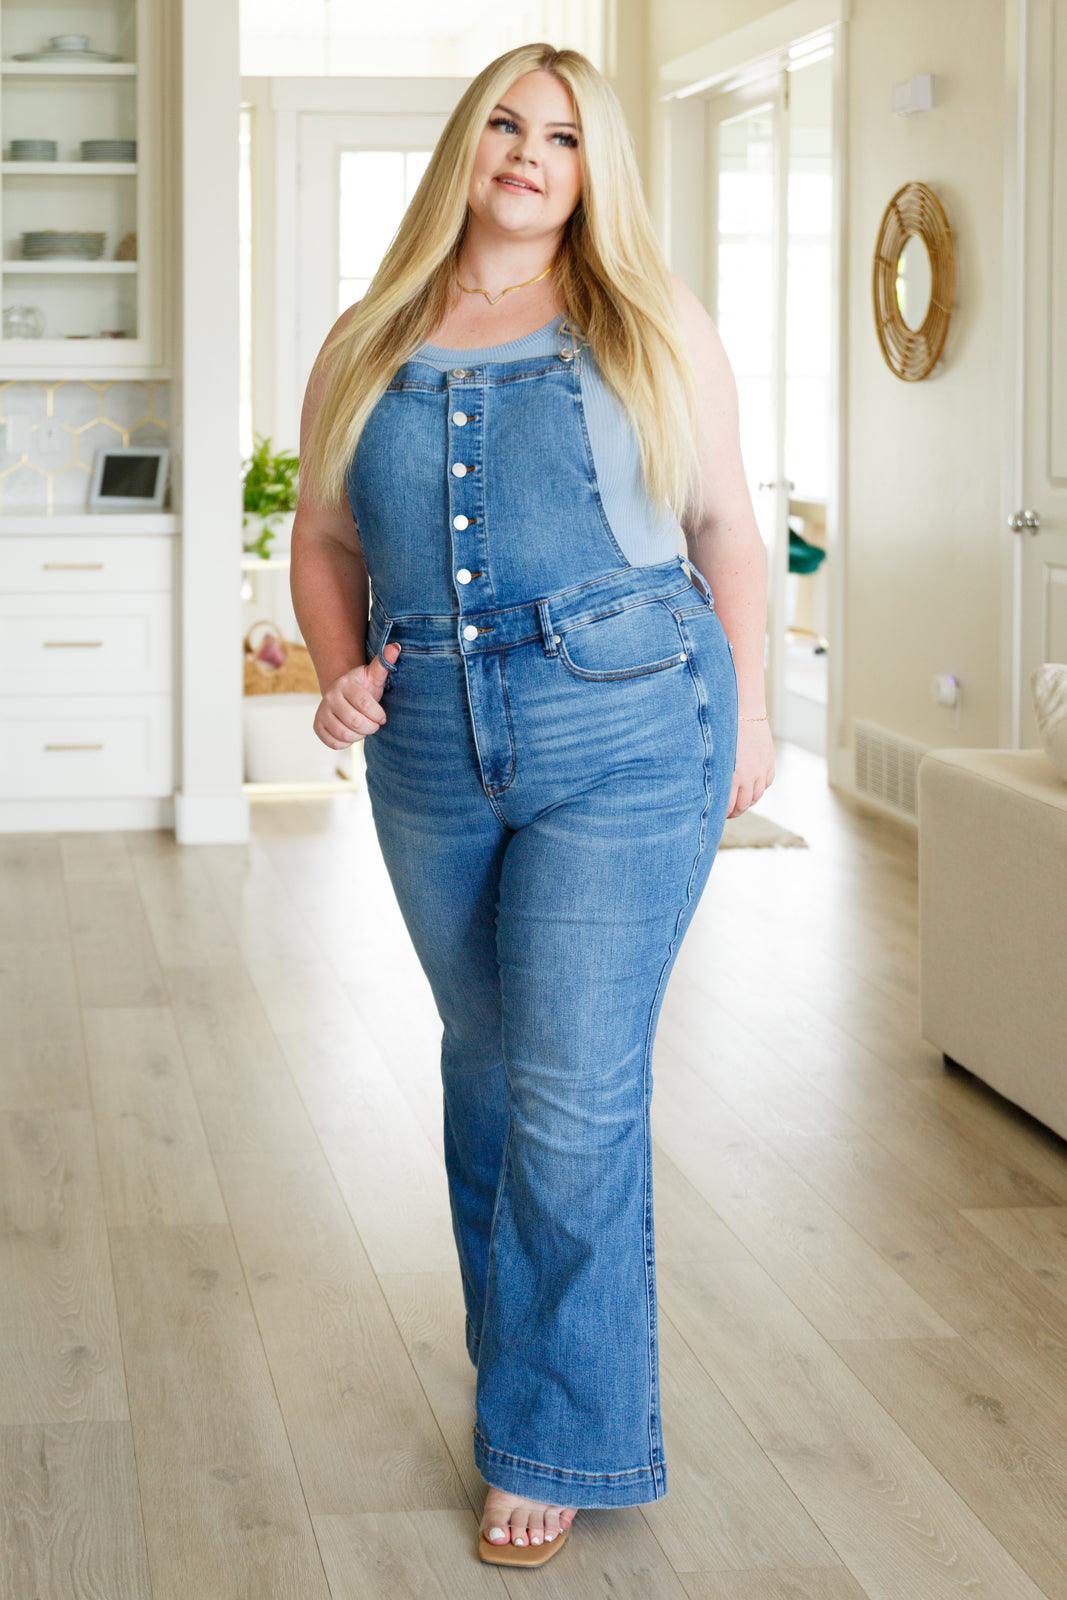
993, 921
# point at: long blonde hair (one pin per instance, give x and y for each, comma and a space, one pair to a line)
610, 270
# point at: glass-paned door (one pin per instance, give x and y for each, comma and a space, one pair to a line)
772, 301
356, 174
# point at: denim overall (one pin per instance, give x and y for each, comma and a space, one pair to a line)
549, 792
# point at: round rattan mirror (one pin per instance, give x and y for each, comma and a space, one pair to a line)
914, 281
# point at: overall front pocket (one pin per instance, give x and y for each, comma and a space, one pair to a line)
631, 643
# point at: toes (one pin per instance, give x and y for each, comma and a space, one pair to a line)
536, 1524
551, 1523
495, 1517
519, 1524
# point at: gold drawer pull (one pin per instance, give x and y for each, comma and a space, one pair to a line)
71, 566
74, 747
71, 644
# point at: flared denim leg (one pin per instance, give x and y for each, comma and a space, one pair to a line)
595, 898
445, 869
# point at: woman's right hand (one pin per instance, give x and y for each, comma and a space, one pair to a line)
350, 708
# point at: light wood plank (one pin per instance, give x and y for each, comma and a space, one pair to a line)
787, 1583
70, 1514
223, 1509
392, 1178
95, 857
41, 1046
1002, 1309
896, 1524
1006, 1457
60, 1357
829, 1269
183, 911
113, 950
155, 1163
362, 1431
244, 1090
33, 906
1033, 1238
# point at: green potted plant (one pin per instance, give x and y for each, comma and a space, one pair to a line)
270, 491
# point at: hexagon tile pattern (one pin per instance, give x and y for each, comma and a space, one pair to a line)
50, 432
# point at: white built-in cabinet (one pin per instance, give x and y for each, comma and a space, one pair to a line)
87, 600
106, 313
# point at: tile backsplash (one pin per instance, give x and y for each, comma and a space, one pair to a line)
51, 429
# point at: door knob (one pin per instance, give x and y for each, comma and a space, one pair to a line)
1020, 520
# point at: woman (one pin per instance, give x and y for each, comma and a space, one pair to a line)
557, 725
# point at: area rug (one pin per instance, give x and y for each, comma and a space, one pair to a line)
750, 831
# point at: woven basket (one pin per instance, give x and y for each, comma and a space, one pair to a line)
296, 675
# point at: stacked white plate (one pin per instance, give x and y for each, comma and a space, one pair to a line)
66, 47
40, 243
34, 149
109, 149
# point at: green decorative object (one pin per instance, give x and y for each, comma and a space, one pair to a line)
270, 491
804, 557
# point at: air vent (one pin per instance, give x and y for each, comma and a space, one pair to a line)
886, 767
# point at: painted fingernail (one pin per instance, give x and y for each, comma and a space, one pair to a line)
497, 1533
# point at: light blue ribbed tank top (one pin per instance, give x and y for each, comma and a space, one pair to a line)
644, 535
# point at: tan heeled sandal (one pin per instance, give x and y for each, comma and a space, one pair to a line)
507, 1554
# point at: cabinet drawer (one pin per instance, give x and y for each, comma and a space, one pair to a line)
49, 563
85, 644
103, 745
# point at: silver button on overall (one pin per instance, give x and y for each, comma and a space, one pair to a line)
461, 521
470, 631
459, 372
458, 469
464, 575
459, 418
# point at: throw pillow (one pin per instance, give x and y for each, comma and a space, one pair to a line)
1048, 685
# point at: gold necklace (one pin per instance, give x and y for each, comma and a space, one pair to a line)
493, 298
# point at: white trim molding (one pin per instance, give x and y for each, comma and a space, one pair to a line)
749, 51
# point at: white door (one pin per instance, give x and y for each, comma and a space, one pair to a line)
747, 133
356, 174
346, 157
1040, 517
771, 296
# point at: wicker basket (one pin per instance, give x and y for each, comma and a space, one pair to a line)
296, 675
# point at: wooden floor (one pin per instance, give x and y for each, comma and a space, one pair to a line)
231, 1352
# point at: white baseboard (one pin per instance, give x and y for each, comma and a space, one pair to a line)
85, 814
212, 818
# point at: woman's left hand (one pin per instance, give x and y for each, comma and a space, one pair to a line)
754, 765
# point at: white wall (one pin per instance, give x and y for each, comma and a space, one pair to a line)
920, 520
923, 504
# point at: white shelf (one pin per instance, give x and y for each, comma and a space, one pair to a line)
55, 264
22, 522
68, 169
57, 69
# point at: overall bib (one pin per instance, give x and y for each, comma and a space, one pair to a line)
549, 792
